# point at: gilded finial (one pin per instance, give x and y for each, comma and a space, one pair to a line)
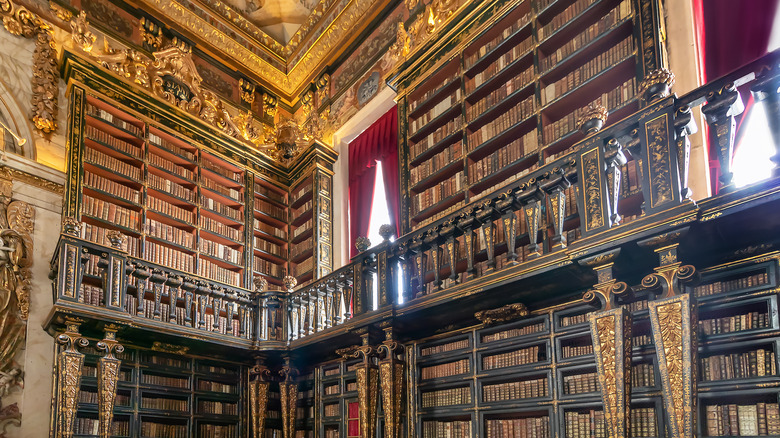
656, 85
289, 283
71, 226
261, 284
593, 119
81, 34
386, 231
362, 243
116, 239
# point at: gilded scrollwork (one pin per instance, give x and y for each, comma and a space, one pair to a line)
20, 21
506, 313
258, 399
107, 378
610, 331
69, 363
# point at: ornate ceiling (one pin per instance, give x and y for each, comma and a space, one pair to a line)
282, 44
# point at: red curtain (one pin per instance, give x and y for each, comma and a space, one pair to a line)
729, 35
377, 143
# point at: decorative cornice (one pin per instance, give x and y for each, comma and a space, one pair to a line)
30, 179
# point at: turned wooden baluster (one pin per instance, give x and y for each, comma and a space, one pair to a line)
684, 125
466, 223
556, 195
614, 158
330, 288
721, 110
188, 286
141, 273
173, 282
157, 279
448, 232
218, 298
337, 294
505, 205
432, 241
485, 215
530, 200
766, 90
202, 293
418, 250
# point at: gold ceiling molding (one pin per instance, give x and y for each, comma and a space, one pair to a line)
436, 15
172, 76
289, 83
20, 21
30, 179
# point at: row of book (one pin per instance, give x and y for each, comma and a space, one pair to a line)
529, 427
443, 190
442, 106
165, 404
121, 191
110, 212
172, 188
211, 270
643, 422
207, 322
92, 398
167, 256
302, 191
594, 66
414, 103
580, 383
304, 267
170, 233
430, 140
748, 281
171, 167
169, 209
445, 369
499, 94
332, 389
444, 348
332, 432
568, 351
735, 323
446, 429
114, 120
91, 426
97, 234
504, 121
209, 224
573, 319
642, 375
217, 407
270, 193
223, 170
514, 332
501, 63
161, 314
331, 410
437, 162
210, 385
170, 146
225, 210
446, 397
156, 380
163, 430
266, 267
483, 50
218, 431
269, 247
95, 134
300, 248
91, 295
515, 390
104, 160
503, 183
616, 15
560, 20
300, 211
222, 189
272, 210
443, 213
513, 358
762, 419
221, 251
270, 229
586, 424
506, 156
165, 361
755, 363
610, 100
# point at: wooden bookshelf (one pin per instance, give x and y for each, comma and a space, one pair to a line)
159, 394
509, 101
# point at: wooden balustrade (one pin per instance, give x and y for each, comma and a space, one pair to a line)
618, 178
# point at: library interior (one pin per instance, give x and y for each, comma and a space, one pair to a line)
389, 218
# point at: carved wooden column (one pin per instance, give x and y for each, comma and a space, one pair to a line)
367, 383
157, 279
721, 110
69, 363
418, 254
556, 194
610, 330
506, 206
485, 215
673, 320
173, 282
448, 232
258, 399
107, 378
188, 286
288, 390
391, 381
614, 158
432, 240
530, 199
466, 225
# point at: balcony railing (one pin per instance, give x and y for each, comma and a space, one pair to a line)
461, 252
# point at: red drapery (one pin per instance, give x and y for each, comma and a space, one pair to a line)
377, 143
729, 35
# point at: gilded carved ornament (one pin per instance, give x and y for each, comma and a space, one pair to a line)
423, 27
506, 313
20, 21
